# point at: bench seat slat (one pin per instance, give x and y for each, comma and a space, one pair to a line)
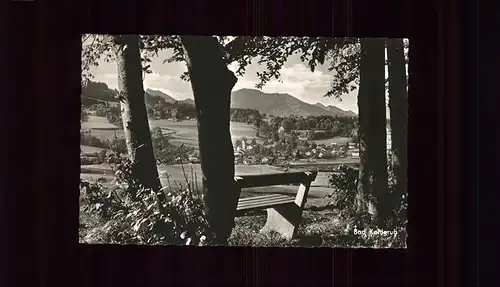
264, 202
257, 201
262, 197
270, 201
284, 212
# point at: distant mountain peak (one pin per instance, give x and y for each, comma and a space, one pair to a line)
281, 104
156, 93
187, 101
318, 104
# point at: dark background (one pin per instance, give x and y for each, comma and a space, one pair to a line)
40, 220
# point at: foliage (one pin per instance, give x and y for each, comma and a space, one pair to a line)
100, 157
97, 92
167, 153
249, 116
89, 140
342, 55
95, 158
133, 214
316, 230
344, 181
84, 116
315, 127
400, 203
96, 47
161, 109
114, 116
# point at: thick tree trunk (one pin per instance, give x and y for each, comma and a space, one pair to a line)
212, 83
373, 183
133, 109
398, 107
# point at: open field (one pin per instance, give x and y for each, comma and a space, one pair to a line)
182, 132
323, 165
186, 132
89, 149
95, 122
176, 176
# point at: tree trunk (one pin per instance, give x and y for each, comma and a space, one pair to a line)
133, 110
212, 83
373, 183
398, 107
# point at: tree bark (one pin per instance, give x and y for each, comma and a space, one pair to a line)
133, 110
372, 187
212, 84
398, 107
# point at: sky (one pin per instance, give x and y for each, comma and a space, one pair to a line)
296, 80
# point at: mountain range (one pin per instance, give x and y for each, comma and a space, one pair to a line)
280, 104
277, 104
161, 94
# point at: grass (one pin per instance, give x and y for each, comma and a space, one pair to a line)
186, 132
89, 149
318, 229
322, 226
321, 222
95, 122
175, 175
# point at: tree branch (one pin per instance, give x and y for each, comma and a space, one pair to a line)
236, 48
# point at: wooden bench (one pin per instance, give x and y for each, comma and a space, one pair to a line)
284, 213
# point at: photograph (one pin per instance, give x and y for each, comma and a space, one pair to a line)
243, 141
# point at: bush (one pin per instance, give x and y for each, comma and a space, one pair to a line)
167, 153
87, 160
118, 144
130, 213
114, 116
89, 140
344, 181
84, 116
100, 157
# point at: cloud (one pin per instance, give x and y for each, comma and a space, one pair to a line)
296, 79
171, 85
111, 79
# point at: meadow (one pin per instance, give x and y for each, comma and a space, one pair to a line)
323, 224
181, 132
175, 175
186, 132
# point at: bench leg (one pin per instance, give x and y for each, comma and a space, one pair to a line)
283, 219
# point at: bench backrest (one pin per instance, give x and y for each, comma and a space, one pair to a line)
258, 180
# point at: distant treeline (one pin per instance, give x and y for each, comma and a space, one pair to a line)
161, 109
104, 101
249, 116
99, 97
97, 93
312, 127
